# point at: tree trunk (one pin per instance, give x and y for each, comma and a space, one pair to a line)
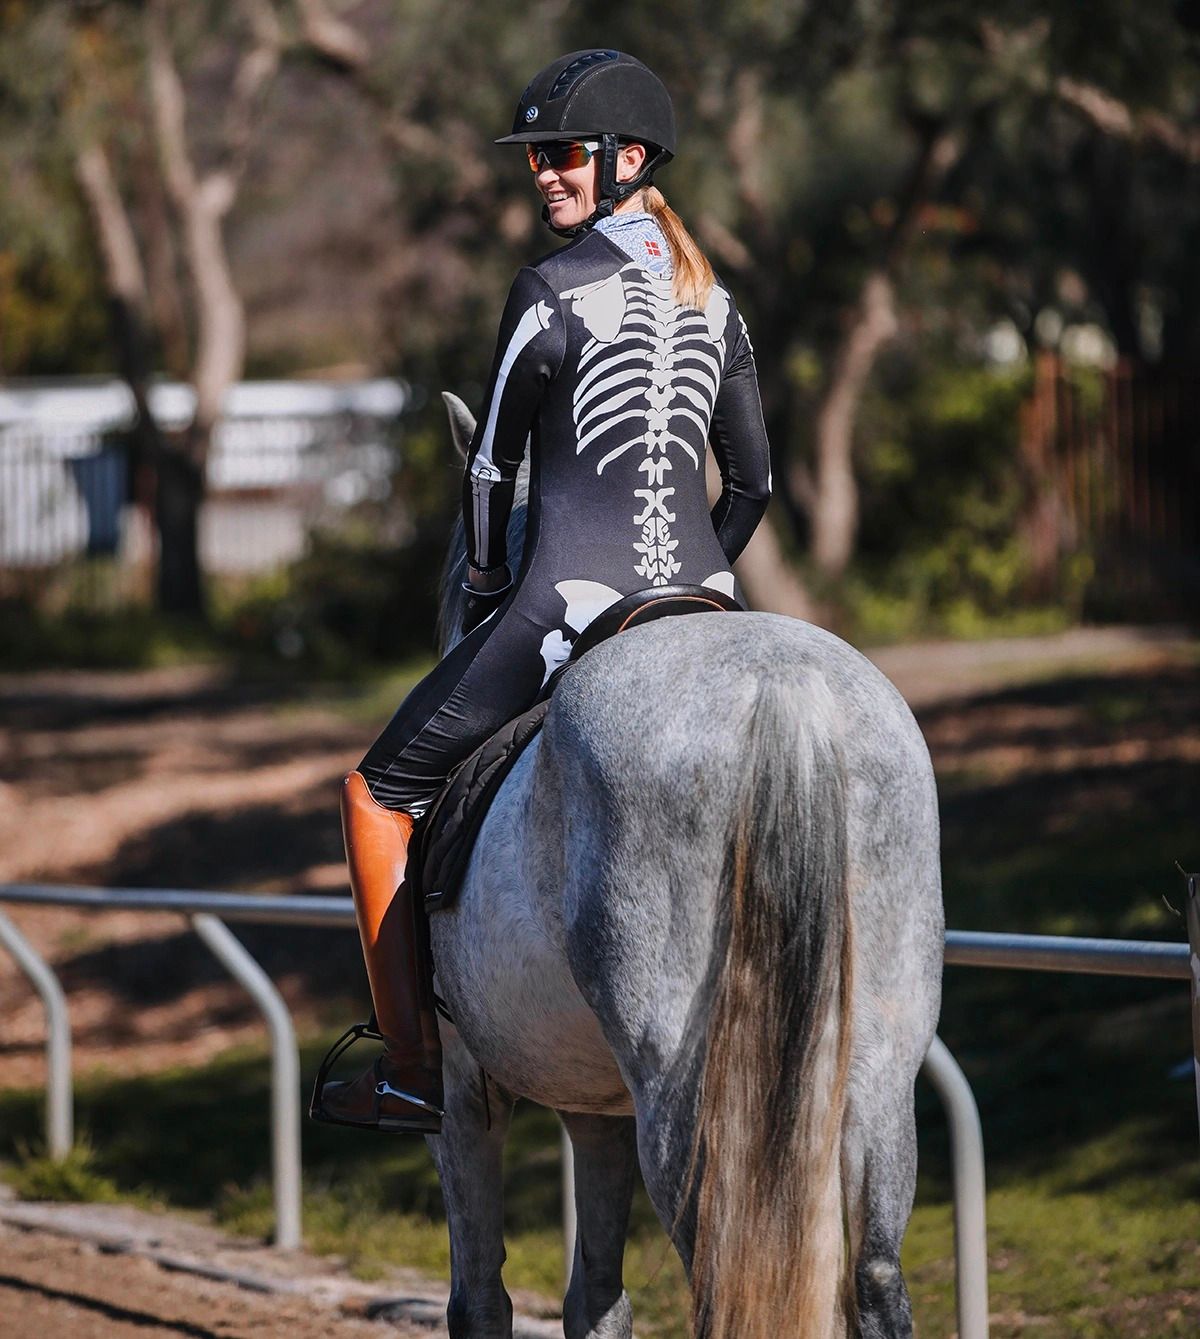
201, 202
127, 303
179, 494
766, 576
835, 489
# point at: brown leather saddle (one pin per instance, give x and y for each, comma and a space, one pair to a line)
445, 836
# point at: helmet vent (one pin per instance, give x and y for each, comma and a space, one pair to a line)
567, 78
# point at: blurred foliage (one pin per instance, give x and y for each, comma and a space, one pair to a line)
349, 602
943, 499
126, 635
357, 597
52, 305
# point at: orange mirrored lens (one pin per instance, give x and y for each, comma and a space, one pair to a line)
561, 156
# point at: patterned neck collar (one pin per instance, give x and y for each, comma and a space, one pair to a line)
640, 237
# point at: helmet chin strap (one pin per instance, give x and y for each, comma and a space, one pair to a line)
612, 191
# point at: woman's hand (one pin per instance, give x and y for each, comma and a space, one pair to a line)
486, 592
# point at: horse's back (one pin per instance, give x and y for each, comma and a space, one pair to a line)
709, 894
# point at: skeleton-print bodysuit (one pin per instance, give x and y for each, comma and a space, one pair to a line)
617, 390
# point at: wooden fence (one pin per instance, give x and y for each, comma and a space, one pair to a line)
1113, 460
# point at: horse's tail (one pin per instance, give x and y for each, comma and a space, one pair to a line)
765, 1185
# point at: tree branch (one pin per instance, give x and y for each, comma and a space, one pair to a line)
201, 205
348, 55
1115, 118
770, 581
169, 109
126, 279
835, 511
333, 40
743, 144
1108, 113
732, 252
798, 480
256, 68
941, 147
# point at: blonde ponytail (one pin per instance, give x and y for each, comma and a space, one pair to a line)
693, 279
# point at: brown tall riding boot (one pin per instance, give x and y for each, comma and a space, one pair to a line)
402, 1091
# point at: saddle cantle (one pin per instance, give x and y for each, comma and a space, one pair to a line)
445, 836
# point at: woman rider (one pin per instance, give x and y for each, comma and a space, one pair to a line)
620, 358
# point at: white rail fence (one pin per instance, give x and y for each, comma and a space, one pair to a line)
208, 911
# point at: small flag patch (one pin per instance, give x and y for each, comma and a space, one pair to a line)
653, 249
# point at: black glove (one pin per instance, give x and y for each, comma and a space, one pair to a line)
481, 603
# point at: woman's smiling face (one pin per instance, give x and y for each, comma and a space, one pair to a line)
572, 193
569, 193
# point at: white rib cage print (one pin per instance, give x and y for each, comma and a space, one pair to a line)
648, 377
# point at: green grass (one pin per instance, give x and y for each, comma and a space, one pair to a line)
71, 1180
126, 636
1069, 1262
368, 699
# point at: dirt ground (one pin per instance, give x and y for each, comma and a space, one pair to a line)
116, 1272
185, 778
54, 1285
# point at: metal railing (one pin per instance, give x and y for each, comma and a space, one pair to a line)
207, 911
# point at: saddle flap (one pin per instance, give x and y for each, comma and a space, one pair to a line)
446, 835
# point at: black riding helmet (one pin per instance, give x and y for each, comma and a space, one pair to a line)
605, 95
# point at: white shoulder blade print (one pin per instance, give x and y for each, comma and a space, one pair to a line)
648, 380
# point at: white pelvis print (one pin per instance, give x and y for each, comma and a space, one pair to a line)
648, 377
584, 601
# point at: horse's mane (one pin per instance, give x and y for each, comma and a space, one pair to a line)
452, 598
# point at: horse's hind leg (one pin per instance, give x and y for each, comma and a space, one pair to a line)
879, 1173
468, 1155
597, 1306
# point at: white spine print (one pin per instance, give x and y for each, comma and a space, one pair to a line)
648, 377
484, 470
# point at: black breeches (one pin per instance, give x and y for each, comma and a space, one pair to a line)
490, 677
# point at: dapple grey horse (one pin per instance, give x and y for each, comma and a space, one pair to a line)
702, 922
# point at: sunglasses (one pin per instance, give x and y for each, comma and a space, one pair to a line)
560, 155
